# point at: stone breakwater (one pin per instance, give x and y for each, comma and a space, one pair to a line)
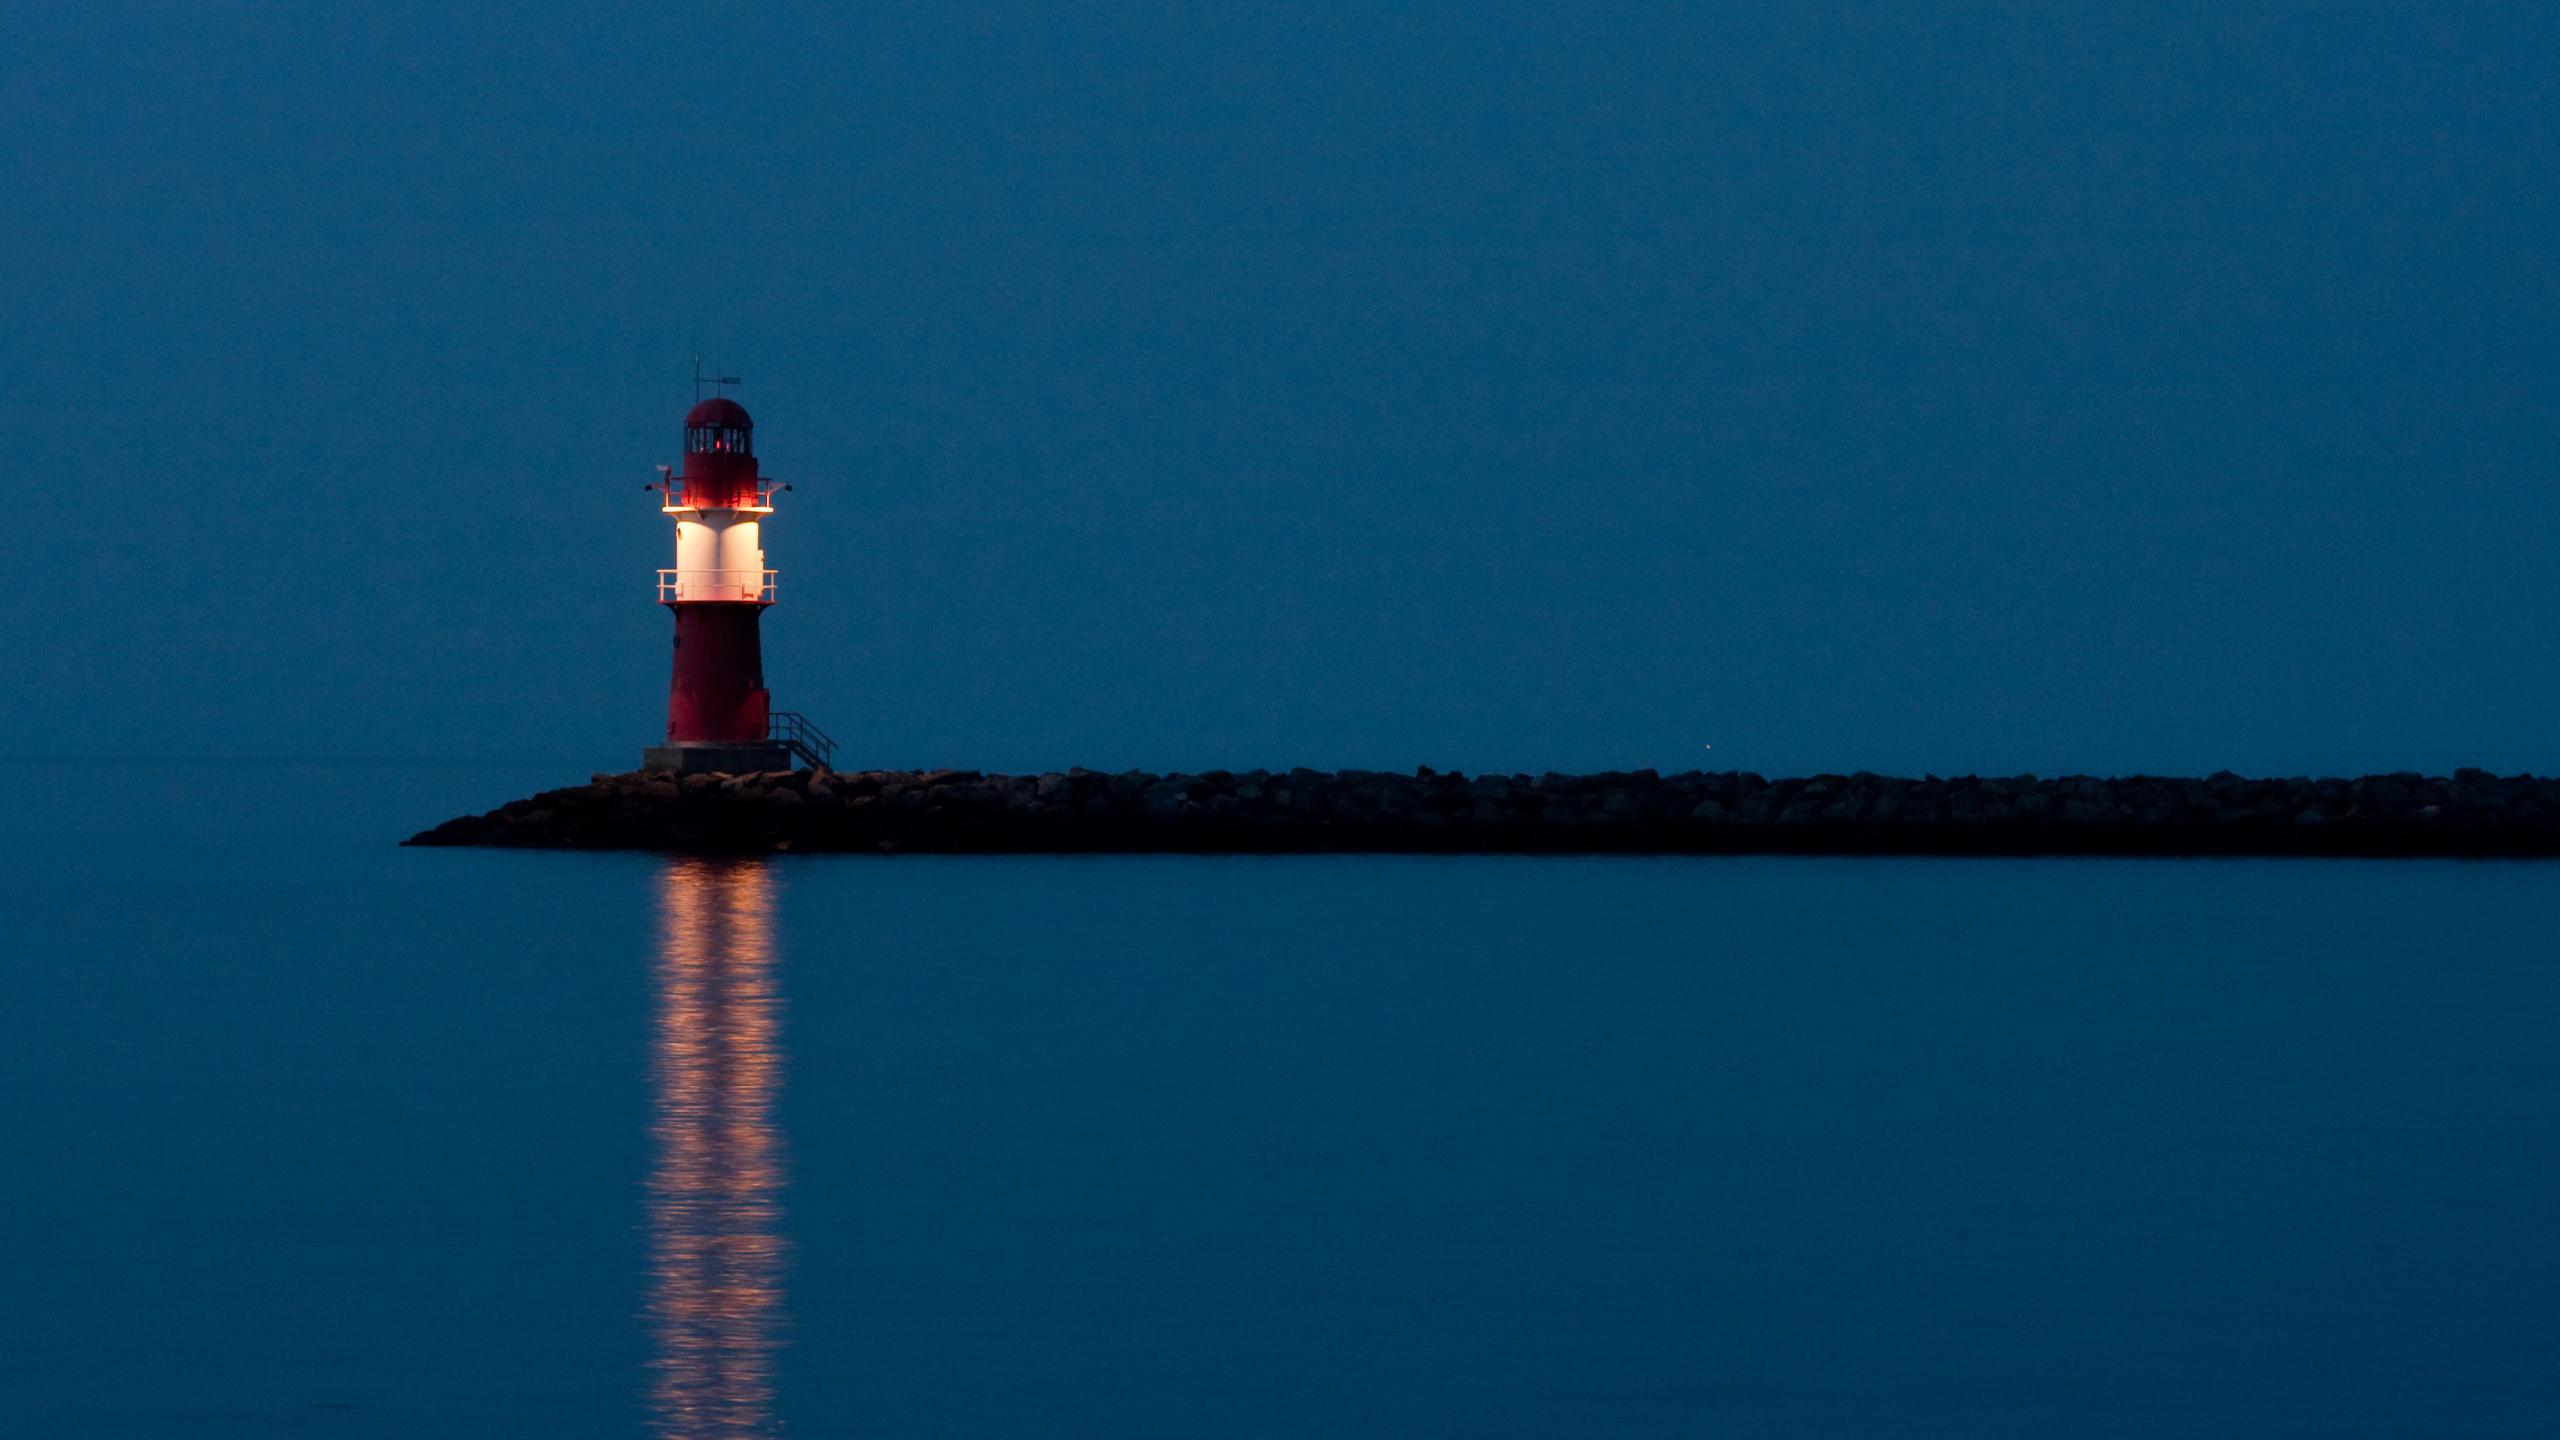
1637, 812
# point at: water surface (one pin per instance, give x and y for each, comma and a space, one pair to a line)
308, 1135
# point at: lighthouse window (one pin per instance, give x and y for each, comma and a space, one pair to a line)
728, 439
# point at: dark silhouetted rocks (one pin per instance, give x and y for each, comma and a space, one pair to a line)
2473, 813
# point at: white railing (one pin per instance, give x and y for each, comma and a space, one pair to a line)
687, 586
680, 503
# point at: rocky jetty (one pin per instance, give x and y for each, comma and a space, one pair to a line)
1639, 812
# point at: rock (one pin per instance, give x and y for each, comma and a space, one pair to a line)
879, 810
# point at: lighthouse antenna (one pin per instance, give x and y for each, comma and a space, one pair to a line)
714, 381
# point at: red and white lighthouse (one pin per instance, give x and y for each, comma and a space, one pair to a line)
720, 716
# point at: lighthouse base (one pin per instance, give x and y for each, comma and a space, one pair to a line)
730, 757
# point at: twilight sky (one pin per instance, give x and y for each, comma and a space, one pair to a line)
2052, 387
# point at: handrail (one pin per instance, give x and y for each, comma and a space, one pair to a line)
678, 504
731, 586
805, 740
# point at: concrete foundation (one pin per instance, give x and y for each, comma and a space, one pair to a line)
699, 757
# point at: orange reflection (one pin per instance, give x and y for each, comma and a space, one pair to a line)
714, 1196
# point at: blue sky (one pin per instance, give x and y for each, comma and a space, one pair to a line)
1906, 387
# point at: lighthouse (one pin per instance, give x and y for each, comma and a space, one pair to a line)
720, 716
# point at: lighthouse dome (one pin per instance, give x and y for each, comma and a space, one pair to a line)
719, 425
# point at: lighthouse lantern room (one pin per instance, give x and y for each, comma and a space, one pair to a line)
719, 714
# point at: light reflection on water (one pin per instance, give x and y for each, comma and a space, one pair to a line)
715, 1216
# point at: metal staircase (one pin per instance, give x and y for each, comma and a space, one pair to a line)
803, 739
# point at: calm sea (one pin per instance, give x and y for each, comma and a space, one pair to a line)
305, 1135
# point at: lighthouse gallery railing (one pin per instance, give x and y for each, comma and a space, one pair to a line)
681, 501
752, 586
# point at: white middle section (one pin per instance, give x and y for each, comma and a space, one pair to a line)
717, 557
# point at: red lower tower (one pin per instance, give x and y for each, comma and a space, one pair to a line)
719, 715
